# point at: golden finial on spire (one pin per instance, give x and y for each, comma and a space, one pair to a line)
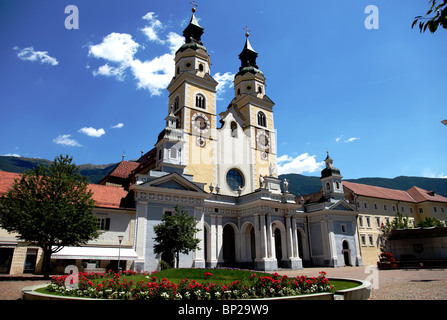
194, 5
247, 31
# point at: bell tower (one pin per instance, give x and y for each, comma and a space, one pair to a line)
257, 109
192, 99
331, 181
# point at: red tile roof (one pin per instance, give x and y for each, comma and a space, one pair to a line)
105, 196
414, 194
421, 195
378, 192
7, 180
124, 169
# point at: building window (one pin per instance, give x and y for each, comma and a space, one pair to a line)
260, 89
421, 210
384, 207
160, 154
343, 228
233, 129
363, 237
365, 205
104, 224
328, 186
403, 209
173, 153
262, 121
337, 185
176, 103
378, 222
235, 179
375, 206
201, 68
435, 209
394, 208
360, 221
371, 240
200, 101
411, 210
368, 222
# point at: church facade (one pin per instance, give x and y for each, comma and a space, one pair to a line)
222, 169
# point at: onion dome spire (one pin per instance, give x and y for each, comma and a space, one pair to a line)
193, 33
248, 57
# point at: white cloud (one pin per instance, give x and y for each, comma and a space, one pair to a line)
108, 71
225, 81
65, 139
153, 75
154, 26
118, 125
302, 163
92, 132
338, 139
352, 139
11, 155
116, 47
29, 54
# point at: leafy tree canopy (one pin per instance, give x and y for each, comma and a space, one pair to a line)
50, 207
176, 233
436, 16
429, 222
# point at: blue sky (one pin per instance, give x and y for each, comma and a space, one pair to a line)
374, 98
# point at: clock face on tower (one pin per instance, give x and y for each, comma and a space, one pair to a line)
200, 122
263, 140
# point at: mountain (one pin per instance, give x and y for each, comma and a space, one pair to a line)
302, 185
298, 184
95, 172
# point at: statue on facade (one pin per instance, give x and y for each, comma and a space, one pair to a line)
286, 186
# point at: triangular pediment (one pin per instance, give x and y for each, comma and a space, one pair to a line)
174, 181
341, 205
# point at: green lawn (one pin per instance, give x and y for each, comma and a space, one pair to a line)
219, 276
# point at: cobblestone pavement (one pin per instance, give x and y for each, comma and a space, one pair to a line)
401, 284
411, 284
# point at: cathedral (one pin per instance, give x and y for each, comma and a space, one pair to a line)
223, 170
220, 168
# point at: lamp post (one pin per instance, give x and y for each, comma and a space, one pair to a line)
120, 239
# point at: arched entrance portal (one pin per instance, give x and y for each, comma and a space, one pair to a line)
229, 255
278, 247
346, 253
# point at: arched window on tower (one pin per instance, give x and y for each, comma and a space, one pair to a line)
176, 104
200, 101
262, 121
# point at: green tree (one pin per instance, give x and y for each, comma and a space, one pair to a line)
176, 234
429, 222
399, 222
50, 208
438, 12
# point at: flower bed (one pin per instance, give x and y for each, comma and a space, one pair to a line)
112, 285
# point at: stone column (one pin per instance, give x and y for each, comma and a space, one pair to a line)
358, 256
140, 235
199, 254
213, 242
219, 235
